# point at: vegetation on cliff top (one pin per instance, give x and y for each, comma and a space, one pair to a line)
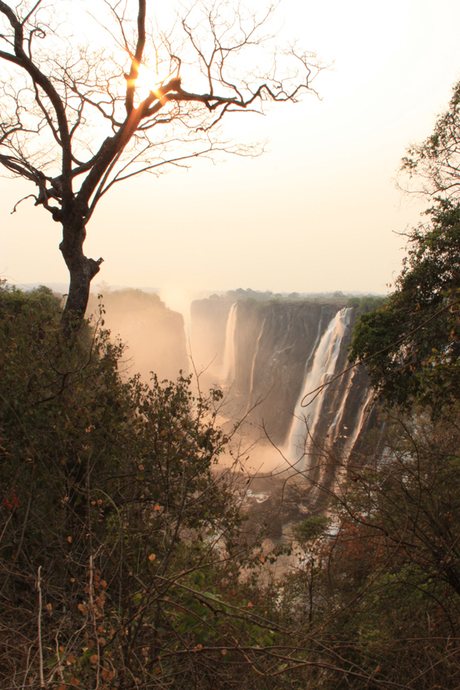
362, 302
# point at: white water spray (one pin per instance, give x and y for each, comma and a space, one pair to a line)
229, 362
322, 371
353, 436
253, 365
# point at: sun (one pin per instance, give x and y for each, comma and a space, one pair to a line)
147, 81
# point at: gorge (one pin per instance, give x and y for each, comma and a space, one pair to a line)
271, 359
279, 363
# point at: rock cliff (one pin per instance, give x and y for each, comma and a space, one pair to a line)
153, 334
269, 355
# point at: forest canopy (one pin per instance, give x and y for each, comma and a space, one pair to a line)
411, 345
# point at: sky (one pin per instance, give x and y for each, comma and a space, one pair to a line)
318, 211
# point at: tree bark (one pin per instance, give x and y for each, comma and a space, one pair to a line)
82, 270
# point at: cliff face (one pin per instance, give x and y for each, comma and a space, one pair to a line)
209, 320
274, 347
153, 334
277, 352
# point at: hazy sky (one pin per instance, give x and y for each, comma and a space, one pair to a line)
319, 211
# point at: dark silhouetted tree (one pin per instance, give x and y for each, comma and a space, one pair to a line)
74, 120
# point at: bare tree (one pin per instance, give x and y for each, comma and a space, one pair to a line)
74, 122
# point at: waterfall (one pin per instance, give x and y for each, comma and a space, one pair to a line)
322, 370
352, 437
315, 344
256, 352
229, 362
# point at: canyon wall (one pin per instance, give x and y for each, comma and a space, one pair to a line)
153, 334
268, 356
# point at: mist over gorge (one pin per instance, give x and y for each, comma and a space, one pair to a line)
153, 334
267, 356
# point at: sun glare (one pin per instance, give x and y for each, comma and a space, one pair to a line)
148, 80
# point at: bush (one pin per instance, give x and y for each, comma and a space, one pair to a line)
383, 581
114, 523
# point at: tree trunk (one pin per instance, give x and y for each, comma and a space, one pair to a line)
82, 270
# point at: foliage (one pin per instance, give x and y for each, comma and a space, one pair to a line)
114, 524
411, 345
435, 163
387, 577
383, 579
363, 305
401, 515
311, 528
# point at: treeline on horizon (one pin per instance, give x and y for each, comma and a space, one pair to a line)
363, 302
128, 298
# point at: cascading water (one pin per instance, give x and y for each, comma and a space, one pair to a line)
256, 352
229, 361
323, 369
352, 436
274, 355
313, 351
